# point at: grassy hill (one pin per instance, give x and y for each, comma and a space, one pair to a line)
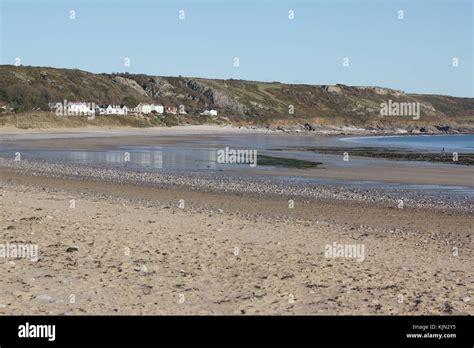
239, 102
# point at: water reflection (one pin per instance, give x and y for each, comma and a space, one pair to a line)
151, 159
137, 158
203, 158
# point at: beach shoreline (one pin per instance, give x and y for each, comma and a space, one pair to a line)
273, 186
298, 129
396, 166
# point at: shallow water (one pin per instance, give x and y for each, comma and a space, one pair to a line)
437, 143
198, 155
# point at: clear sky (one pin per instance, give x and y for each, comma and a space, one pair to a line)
414, 54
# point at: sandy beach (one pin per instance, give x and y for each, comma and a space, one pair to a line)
128, 251
127, 243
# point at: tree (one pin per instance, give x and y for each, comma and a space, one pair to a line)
130, 101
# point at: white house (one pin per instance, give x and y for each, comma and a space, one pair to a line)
108, 109
120, 109
79, 108
143, 108
82, 108
158, 108
54, 105
171, 110
124, 110
209, 113
101, 109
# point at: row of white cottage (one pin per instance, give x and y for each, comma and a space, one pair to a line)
139, 109
82, 108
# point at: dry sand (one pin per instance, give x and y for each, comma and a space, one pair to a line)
139, 253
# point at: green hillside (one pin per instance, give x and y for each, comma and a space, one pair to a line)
240, 102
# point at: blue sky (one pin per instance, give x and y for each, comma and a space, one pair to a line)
414, 54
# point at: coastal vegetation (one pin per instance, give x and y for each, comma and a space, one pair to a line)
264, 160
238, 102
395, 154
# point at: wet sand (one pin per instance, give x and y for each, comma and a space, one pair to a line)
100, 139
